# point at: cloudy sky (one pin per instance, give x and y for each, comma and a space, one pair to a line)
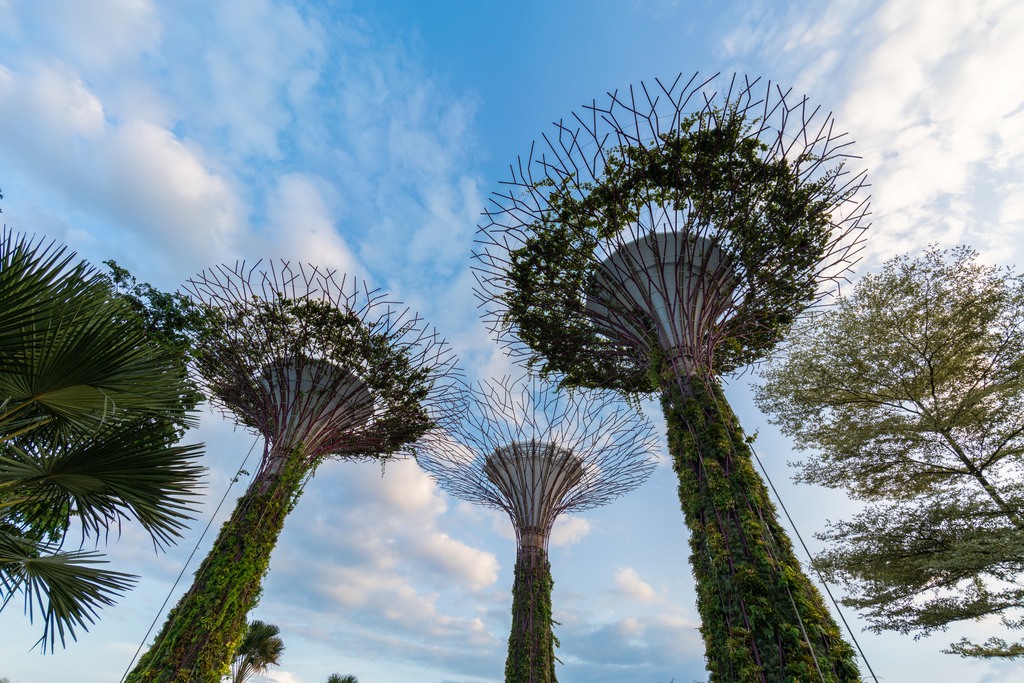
367, 136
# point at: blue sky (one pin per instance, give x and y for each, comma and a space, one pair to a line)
367, 137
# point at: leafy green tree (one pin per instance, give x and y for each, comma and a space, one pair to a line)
172, 321
261, 647
86, 398
338, 678
909, 394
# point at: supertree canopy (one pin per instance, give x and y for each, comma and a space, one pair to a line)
321, 368
660, 240
534, 452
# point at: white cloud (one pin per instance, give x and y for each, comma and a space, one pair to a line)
367, 566
569, 530
392, 523
155, 188
253, 92
630, 585
384, 599
303, 225
502, 525
100, 32
159, 184
44, 113
276, 676
637, 642
933, 98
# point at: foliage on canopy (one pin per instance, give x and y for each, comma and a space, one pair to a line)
319, 369
909, 394
258, 333
710, 176
87, 401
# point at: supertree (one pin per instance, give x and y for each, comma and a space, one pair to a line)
535, 452
659, 241
321, 368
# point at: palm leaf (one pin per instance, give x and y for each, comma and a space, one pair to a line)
71, 356
30, 280
89, 411
260, 648
124, 471
66, 587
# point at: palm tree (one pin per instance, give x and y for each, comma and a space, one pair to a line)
90, 410
338, 678
260, 648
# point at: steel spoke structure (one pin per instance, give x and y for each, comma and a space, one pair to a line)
654, 243
322, 368
534, 452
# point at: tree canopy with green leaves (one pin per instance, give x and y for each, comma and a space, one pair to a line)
338, 678
709, 175
91, 407
909, 394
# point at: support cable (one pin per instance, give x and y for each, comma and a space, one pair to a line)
185, 566
810, 559
767, 531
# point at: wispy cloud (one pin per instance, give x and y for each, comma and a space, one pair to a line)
933, 97
385, 569
628, 583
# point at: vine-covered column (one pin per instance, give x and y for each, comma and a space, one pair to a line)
531, 644
762, 619
201, 632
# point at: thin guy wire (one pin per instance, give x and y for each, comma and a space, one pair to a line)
767, 531
807, 640
810, 562
259, 521
185, 566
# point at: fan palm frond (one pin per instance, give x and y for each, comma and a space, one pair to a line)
261, 647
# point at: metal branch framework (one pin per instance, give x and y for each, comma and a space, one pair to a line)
306, 357
534, 452
321, 367
658, 241
695, 219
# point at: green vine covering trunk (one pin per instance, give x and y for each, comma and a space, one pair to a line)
531, 645
758, 609
201, 632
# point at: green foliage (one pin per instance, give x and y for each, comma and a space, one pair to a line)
769, 218
260, 648
338, 678
532, 642
85, 399
993, 648
909, 392
253, 334
209, 622
758, 610
171, 320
